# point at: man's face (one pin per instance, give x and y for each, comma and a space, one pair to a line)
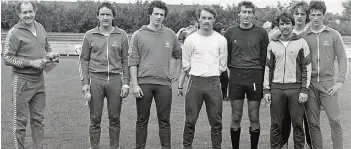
300, 16
268, 29
285, 28
206, 20
246, 15
157, 16
105, 16
27, 13
316, 17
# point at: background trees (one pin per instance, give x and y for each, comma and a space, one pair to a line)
78, 17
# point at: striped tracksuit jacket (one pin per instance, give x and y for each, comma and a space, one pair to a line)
287, 74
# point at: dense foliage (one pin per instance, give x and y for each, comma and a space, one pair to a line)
78, 17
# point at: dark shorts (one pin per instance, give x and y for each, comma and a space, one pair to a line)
246, 81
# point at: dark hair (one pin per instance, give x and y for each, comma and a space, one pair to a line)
193, 22
317, 5
108, 5
274, 23
208, 9
304, 6
285, 17
18, 6
218, 27
157, 4
247, 4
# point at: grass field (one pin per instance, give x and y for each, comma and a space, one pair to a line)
67, 119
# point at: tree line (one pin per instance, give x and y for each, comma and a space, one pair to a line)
57, 17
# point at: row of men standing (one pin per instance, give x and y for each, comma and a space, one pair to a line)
108, 63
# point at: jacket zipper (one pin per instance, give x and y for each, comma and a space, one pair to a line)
284, 60
108, 61
318, 57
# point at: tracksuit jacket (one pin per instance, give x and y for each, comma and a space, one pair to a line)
22, 46
288, 67
324, 47
104, 57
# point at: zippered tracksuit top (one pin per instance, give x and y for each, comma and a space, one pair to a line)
287, 74
21, 46
288, 67
104, 57
151, 52
104, 66
325, 46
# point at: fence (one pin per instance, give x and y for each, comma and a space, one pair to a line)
70, 43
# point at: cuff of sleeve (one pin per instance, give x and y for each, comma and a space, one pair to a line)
304, 90
341, 80
266, 91
125, 81
26, 63
133, 62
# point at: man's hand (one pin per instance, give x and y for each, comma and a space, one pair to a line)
85, 88
39, 63
124, 91
86, 92
180, 92
268, 99
336, 88
173, 77
187, 72
52, 55
303, 97
137, 92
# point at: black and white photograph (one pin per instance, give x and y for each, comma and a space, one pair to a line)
180, 74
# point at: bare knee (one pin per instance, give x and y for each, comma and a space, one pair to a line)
254, 120
236, 119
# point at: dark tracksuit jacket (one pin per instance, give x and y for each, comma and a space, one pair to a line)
21, 46
287, 74
104, 57
103, 65
151, 52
